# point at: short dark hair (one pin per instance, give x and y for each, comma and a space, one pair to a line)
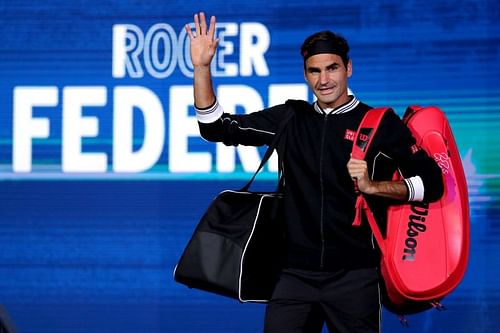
325, 42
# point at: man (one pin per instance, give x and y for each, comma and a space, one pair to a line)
331, 268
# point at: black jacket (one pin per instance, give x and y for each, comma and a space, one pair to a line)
319, 193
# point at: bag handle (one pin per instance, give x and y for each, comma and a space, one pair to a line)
364, 136
290, 113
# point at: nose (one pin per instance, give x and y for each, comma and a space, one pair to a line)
323, 77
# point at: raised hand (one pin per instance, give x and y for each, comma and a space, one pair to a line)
202, 42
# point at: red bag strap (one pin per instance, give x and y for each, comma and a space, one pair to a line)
364, 136
362, 207
366, 131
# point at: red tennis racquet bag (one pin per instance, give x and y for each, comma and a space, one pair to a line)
426, 245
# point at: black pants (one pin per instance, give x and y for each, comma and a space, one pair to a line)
348, 301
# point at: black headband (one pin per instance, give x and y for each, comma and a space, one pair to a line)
323, 46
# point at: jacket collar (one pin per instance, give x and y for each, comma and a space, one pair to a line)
350, 105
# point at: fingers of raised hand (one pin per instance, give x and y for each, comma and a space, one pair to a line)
189, 31
211, 29
200, 26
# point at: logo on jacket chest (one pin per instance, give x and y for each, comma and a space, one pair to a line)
349, 135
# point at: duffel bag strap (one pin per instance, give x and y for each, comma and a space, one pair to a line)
290, 113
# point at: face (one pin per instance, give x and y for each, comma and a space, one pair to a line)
327, 76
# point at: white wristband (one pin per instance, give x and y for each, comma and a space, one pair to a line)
209, 115
415, 188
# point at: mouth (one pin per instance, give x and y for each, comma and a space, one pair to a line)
326, 90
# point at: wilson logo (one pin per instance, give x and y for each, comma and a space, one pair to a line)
416, 225
363, 137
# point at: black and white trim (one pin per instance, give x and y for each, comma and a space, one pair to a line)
209, 114
349, 106
415, 187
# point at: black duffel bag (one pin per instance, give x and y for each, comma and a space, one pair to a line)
236, 249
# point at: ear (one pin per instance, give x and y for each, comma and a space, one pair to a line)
305, 76
349, 68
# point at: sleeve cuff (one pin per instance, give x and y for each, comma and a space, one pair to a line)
209, 114
415, 187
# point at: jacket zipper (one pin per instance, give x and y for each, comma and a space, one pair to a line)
322, 188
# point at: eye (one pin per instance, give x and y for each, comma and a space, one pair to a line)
332, 68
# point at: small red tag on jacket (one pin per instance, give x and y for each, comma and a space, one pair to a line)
349, 135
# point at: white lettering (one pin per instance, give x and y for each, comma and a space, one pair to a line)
219, 66
254, 43
132, 152
160, 33
158, 51
280, 93
182, 54
25, 126
182, 127
76, 126
126, 99
128, 43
